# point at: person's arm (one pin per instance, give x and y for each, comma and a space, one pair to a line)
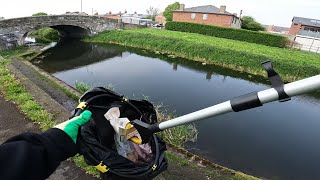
36, 156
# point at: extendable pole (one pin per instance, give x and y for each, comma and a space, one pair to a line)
245, 102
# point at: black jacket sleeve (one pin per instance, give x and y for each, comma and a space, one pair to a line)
35, 156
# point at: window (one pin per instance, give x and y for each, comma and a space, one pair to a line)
205, 17
193, 16
234, 21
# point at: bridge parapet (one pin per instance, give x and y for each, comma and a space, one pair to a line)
67, 25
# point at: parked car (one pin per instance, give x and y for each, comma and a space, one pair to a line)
158, 26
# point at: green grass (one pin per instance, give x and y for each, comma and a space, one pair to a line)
17, 51
82, 87
57, 86
173, 158
46, 35
177, 136
230, 33
16, 93
80, 162
232, 54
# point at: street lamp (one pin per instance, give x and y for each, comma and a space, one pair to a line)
81, 5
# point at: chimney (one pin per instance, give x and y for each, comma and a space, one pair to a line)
223, 9
181, 7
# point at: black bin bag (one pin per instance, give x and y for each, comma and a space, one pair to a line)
96, 138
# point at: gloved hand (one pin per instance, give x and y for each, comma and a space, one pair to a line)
71, 126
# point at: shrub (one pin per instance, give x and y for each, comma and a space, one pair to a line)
46, 34
230, 33
40, 14
169, 10
250, 23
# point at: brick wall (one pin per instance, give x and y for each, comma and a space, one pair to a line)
294, 29
161, 19
213, 19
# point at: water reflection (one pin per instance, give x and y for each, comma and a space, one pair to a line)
278, 140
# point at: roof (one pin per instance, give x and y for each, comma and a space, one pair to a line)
306, 21
277, 28
210, 9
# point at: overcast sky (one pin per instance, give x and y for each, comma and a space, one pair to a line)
276, 12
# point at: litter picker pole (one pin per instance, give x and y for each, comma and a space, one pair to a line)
245, 102
279, 92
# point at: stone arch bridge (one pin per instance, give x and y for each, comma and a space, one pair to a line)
66, 25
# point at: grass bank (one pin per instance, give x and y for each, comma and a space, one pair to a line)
13, 91
232, 54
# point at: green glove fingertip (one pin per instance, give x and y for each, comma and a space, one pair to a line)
71, 126
85, 116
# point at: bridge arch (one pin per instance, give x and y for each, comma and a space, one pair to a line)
66, 25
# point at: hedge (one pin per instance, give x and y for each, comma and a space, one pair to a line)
230, 33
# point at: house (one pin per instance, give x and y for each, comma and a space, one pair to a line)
305, 27
209, 14
138, 19
277, 29
111, 15
161, 19
306, 34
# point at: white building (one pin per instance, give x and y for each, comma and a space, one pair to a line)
138, 19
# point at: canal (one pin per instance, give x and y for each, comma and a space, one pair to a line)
276, 141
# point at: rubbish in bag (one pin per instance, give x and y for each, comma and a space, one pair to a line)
96, 138
124, 147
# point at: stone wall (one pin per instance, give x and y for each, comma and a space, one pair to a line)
66, 24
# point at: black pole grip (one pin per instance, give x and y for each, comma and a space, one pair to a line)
244, 102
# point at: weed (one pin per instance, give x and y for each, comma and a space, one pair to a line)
82, 87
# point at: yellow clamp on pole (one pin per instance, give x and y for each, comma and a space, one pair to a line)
82, 105
154, 167
125, 100
102, 168
134, 139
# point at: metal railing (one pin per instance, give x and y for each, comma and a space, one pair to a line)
315, 49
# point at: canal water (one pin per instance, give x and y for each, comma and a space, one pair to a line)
276, 141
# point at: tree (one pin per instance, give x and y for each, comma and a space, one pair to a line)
152, 12
40, 14
168, 11
250, 23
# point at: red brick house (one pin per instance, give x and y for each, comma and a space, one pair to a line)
209, 14
161, 19
277, 29
305, 26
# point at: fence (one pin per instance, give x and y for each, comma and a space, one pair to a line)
307, 43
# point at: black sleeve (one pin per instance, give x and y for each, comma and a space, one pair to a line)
35, 156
